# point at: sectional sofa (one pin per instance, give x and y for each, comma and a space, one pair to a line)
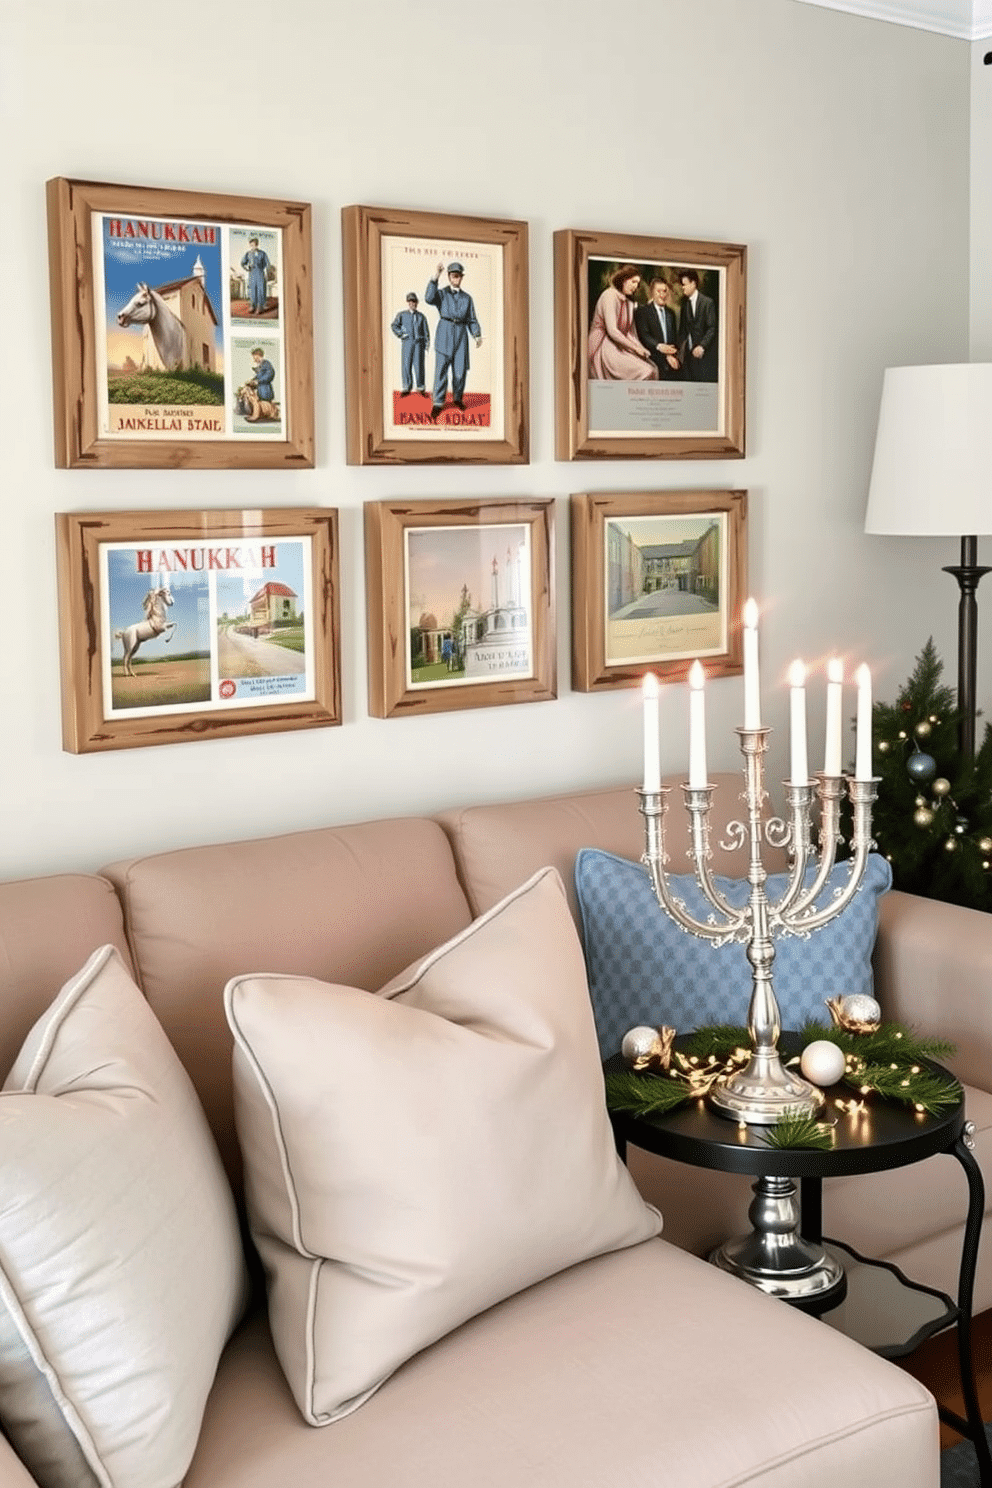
389, 1240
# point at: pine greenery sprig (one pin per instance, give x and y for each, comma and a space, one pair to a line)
928, 1090
932, 837
644, 1095
720, 1040
888, 1042
794, 1129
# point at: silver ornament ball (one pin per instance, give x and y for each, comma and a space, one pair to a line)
861, 1007
639, 1043
921, 767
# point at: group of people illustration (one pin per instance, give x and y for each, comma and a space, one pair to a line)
634, 342
457, 321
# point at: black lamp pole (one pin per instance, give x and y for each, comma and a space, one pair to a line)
968, 574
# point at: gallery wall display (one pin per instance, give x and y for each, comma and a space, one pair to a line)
182, 328
649, 347
436, 338
461, 610
184, 625
658, 581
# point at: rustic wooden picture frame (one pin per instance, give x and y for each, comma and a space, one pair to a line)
389, 255
436, 642
659, 578
649, 405
274, 431
123, 683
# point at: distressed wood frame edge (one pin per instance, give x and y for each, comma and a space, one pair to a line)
588, 513
77, 444
78, 537
385, 523
362, 228
572, 249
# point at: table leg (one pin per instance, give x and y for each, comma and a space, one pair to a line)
775, 1256
972, 1426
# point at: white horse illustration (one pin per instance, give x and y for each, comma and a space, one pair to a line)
153, 625
147, 307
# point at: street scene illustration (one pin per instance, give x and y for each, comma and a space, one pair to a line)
468, 601
664, 587
261, 628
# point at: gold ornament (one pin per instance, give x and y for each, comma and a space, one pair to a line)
940, 786
934, 718
950, 845
884, 746
923, 816
645, 1048
985, 844
902, 733
856, 1013
923, 729
920, 801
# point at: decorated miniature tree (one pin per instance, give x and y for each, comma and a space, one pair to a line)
933, 816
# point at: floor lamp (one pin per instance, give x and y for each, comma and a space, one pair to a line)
932, 477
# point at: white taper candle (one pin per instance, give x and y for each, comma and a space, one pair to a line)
835, 688
652, 753
862, 754
797, 724
752, 681
697, 726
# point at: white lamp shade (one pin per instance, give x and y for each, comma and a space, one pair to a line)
932, 472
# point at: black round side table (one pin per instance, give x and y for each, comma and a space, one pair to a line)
785, 1252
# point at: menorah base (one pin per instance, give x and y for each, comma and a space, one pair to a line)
763, 1092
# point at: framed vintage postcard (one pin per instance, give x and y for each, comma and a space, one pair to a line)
436, 340
182, 329
460, 604
658, 580
649, 347
180, 625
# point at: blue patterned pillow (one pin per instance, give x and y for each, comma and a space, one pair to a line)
643, 968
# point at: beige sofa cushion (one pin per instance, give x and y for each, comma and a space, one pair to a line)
414, 1157
348, 904
642, 1367
121, 1267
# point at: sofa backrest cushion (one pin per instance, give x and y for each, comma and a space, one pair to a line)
414, 1157
499, 846
122, 1271
48, 928
350, 904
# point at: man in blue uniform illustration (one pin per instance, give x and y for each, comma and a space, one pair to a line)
410, 325
256, 261
457, 320
263, 374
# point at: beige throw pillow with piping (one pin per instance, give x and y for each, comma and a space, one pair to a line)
121, 1267
414, 1157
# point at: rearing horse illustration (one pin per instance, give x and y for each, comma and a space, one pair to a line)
147, 307
154, 623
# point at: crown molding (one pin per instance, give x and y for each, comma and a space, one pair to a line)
970, 20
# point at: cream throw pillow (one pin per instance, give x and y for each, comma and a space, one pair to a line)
121, 1267
415, 1156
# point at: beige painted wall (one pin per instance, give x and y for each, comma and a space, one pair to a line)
835, 147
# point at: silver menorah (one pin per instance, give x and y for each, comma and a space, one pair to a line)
764, 1090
